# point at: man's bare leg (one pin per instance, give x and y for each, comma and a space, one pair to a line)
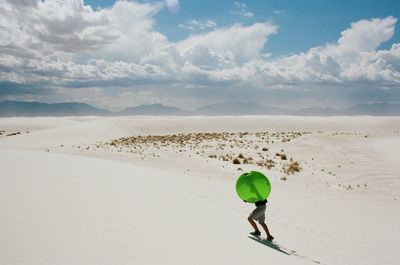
253, 224
269, 236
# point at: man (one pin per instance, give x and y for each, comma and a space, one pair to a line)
258, 214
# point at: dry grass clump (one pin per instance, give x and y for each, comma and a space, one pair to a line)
242, 134
248, 160
225, 157
267, 163
281, 155
270, 163
351, 187
236, 161
291, 168
241, 159
12, 134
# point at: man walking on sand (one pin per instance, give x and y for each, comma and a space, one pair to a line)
258, 214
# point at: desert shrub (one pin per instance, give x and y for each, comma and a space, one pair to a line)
236, 161
291, 168
281, 155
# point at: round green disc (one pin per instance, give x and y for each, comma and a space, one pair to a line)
253, 186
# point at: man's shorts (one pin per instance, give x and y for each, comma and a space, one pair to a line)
259, 213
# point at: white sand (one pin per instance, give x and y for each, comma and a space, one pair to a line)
65, 201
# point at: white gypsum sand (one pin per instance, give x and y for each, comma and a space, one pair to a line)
70, 196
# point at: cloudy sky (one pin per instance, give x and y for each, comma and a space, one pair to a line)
115, 54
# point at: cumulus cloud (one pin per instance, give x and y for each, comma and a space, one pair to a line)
37, 29
241, 10
236, 44
24, 3
367, 35
133, 23
66, 47
173, 6
198, 24
352, 59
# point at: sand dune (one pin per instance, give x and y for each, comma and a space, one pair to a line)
70, 196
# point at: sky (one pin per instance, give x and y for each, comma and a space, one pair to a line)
283, 53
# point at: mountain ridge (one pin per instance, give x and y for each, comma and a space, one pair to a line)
30, 109
23, 108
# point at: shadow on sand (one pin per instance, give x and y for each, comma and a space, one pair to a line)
269, 244
283, 249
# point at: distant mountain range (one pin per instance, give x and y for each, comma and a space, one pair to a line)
22, 108
19, 108
375, 109
240, 108
152, 109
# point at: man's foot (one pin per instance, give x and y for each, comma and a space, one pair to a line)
270, 238
256, 233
